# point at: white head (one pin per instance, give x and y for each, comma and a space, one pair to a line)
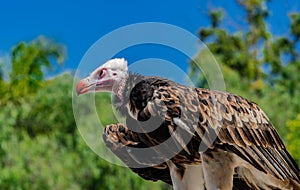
104, 77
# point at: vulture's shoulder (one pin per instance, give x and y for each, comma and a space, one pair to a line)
146, 89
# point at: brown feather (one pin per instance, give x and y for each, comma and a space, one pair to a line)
245, 123
218, 119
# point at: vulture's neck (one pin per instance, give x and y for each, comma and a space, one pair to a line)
123, 88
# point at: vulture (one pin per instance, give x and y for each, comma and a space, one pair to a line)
191, 138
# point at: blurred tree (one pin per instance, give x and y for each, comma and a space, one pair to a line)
28, 60
1, 70
49, 109
3, 83
293, 137
240, 51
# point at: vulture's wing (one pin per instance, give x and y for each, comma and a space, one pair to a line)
219, 118
243, 125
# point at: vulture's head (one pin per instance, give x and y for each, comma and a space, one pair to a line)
106, 78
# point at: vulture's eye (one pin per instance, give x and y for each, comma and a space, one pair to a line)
101, 74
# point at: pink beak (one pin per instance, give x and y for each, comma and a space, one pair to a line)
82, 87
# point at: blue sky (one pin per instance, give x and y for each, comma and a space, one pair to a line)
79, 24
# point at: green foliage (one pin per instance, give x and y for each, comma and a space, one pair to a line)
293, 137
28, 60
3, 85
216, 17
295, 26
53, 99
239, 50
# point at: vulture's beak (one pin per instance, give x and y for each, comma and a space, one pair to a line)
83, 86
